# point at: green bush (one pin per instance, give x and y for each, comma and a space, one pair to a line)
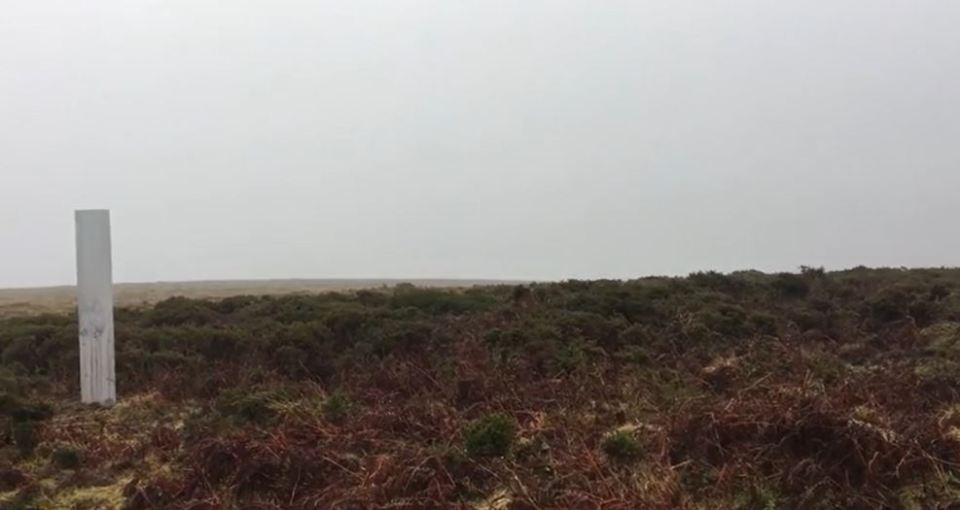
718, 282
790, 285
307, 349
621, 446
569, 355
593, 327
637, 334
520, 294
812, 272
25, 437
490, 436
180, 311
890, 304
336, 407
807, 319
215, 344
249, 406
66, 458
20, 410
900, 302
634, 354
9, 382
939, 292
393, 335
756, 497
725, 319
440, 302
938, 371
290, 361
22, 351
763, 323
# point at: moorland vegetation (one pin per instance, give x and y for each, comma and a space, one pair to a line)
745, 391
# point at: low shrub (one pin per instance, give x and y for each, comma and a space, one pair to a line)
180, 311
890, 304
336, 407
25, 437
791, 285
756, 497
718, 282
763, 323
621, 446
490, 436
440, 302
20, 410
66, 458
246, 406
725, 319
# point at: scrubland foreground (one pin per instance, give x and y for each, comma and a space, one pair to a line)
742, 391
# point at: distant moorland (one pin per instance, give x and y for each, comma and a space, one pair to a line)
21, 301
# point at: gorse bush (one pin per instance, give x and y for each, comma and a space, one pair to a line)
180, 311
891, 304
726, 320
437, 302
66, 458
756, 497
249, 405
621, 446
336, 407
490, 436
25, 437
791, 286
717, 281
18, 409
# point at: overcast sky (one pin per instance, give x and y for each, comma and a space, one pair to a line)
538, 139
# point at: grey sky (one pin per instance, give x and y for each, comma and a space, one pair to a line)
478, 138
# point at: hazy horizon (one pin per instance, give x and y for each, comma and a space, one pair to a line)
541, 140
385, 281
467, 279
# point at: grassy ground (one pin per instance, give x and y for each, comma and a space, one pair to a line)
743, 391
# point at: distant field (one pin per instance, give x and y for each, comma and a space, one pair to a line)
63, 299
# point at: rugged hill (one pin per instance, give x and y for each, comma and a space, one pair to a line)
811, 390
